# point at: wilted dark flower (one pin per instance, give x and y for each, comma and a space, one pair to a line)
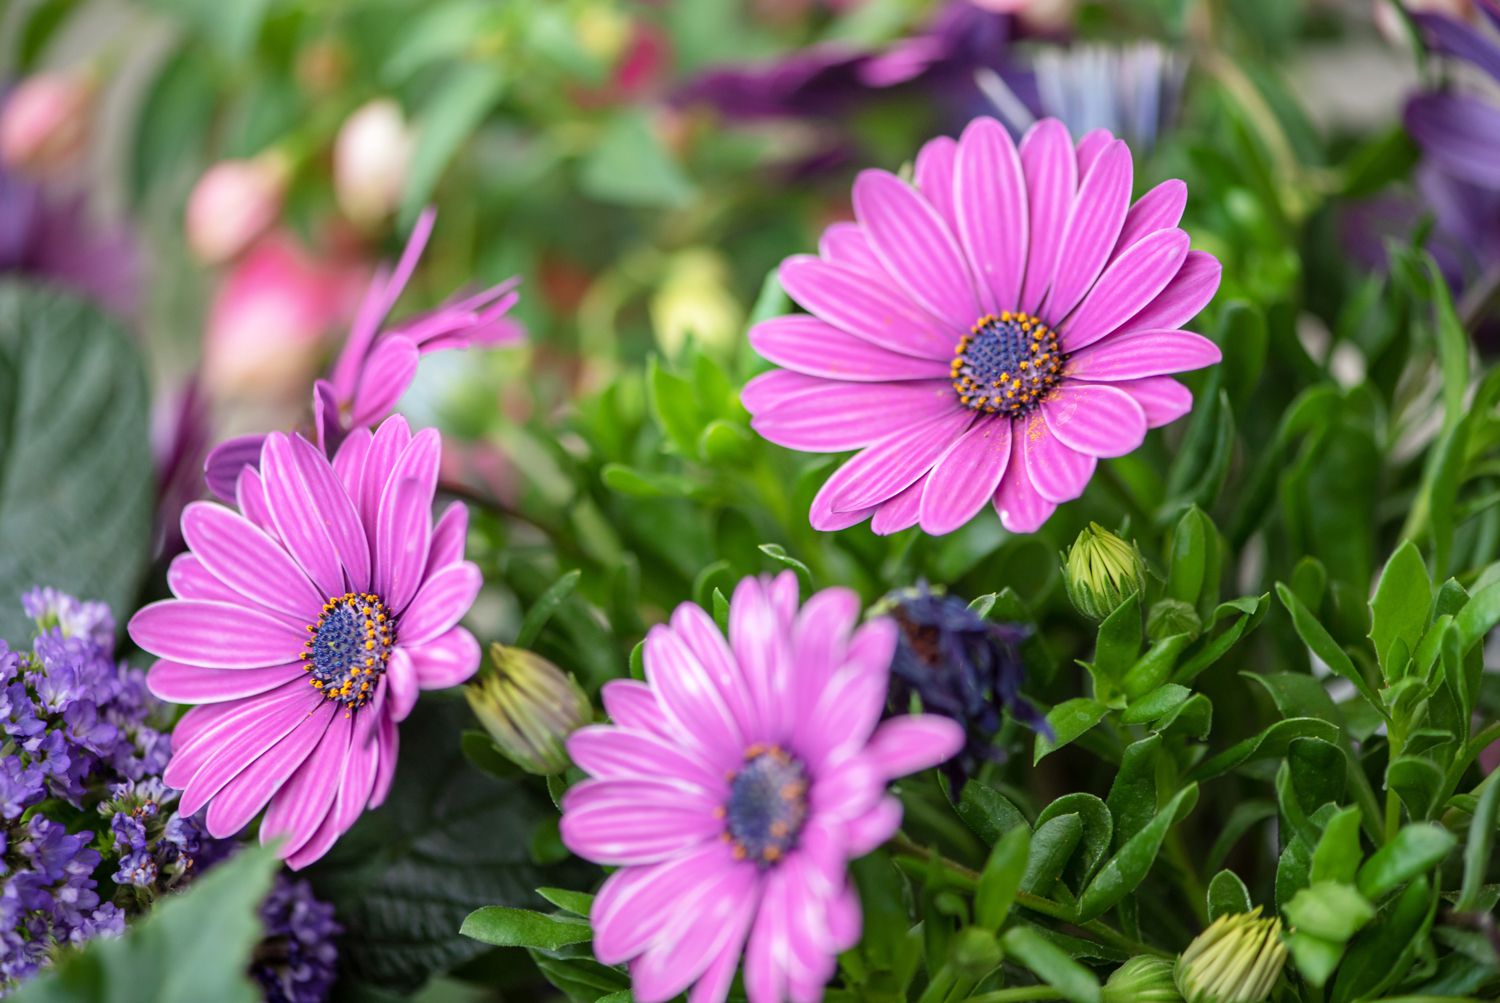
298, 958
961, 666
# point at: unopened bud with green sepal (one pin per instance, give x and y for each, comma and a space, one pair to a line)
1236, 960
1142, 979
1101, 571
529, 707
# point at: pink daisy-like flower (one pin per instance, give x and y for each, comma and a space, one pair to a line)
378, 364
733, 787
986, 335
304, 626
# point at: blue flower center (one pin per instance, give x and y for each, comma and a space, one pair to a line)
767, 805
1007, 364
349, 648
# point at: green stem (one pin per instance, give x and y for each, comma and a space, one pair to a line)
1018, 995
918, 855
1392, 801
1192, 887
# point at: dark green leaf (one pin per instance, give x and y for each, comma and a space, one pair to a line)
1227, 895
1322, 644
1051, 964
1338, 852
1269, 744
1414, 849
1399, 608
76, 482
1155, 704
1052, 846
987, 812
1132, 796
1329, 910
1155, 667
1478, 849
480, 749
1068, 720
777, 553
1001, 878
1098, 832
1382, 953
1119, 641
577, 903
1418, 781
1128, 867
523, 928
1298, 695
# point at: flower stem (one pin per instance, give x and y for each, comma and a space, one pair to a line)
1017, 995
1100, 930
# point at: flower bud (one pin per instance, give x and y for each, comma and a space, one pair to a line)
529, 707
1172, 616
233, 203
1236, 960
694, 300
45, 121
1101, 571
371, 160
975, 952
1142, 979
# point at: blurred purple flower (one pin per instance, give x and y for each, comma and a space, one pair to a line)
180, 443
298, 959
49, 237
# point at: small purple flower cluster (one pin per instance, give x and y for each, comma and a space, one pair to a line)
298, 958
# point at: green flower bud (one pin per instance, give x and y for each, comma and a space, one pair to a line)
1101, 571
1172, 616
529, 707
975, 952
1236, 960
1142, 979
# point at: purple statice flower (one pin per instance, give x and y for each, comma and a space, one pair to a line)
91, 621
379, 360
49, 237
961, 666
298, 957
21, 786
304, 626
986, 334
49, 896
733, 787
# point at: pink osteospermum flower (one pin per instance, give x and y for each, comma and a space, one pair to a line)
986, 335
304, 626
378, 363
733, 787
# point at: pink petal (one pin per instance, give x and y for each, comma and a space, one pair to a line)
385, 376
1095, 419
935, 166
1146, 353
912, 743
440, 603
866, 306
349, 462
900, 512
610, 753
916, 247
636, 902
192, 684
338, 512
1020, 508
215, 634
631, 704
388, 740
1058, 473
1163, 399
1051, 171
239, 800
1090, 147
302, 804
758, 635
221, 469
403, 527
820, 640
817, 348
1093, 227
447, 660
189, 579
822, 517
714, 916
1159, 209
706, 645
233, 749
248, 561
966, 476
712, 716
449, 534
1188, 293
401, 681
874, 827
250, 493
846, 710
203, 732
881, 471
297, 520
628, 822
992, 216
845, 244
1130, 282
836, 416
359, 776
390, 441
846, 790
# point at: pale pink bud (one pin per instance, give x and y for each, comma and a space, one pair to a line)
234, 202
45, 121
371, 158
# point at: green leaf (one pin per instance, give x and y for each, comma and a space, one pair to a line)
577, 903
1414, 850
480, 749
674, 404
1155, 704
523, 928
1478, 617
1330, 910
1297, 694
629, 166
1314, 957
988, 813
1068, 721
1227, 895
445, 121
777, 553
1322, 644
447, 841
1098, 832
1418, 781
541, 611
191, 947
1272, 743
1399, 608
1479, 847
1052, 846
1119, 641
1051, 964
772, 301
1338, 853
1383, 951
76, 483
1195, 560
1129, 866
1001, 878
1132, 796
1155, 667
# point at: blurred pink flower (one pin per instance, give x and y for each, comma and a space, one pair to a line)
267, 325
371, 158
45, 121
233, 203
